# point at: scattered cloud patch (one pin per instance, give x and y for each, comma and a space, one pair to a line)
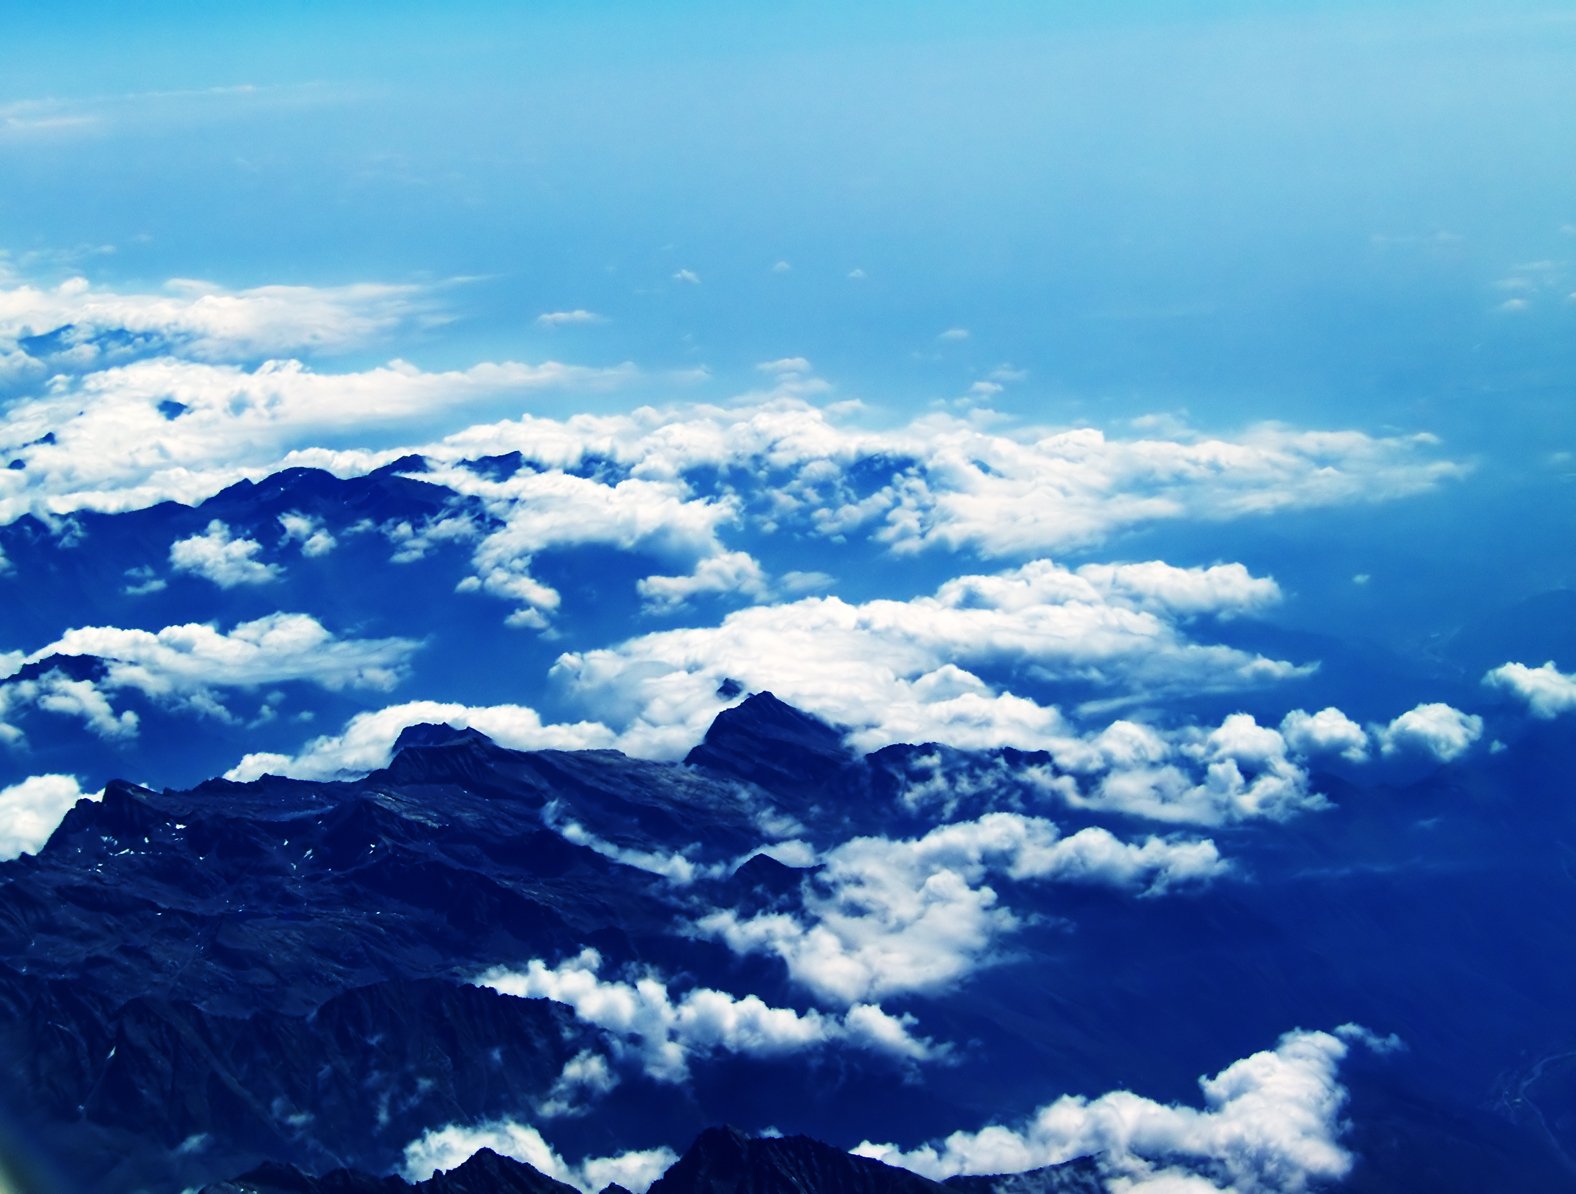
665, 1033
887, 917
1434, 730
732, 572
1270, 1122
367, 741
186, 666
31, 810
449, 1147
954, 335
77, 325
558, 319
1546, 690
688, 276
539, 511
586, 1076
1327, 732
896, 671
226, 561
142, 581
309, 532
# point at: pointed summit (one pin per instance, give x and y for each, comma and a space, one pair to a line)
768, 742
725, 1161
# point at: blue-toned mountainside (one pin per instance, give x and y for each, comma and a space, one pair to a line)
319, 976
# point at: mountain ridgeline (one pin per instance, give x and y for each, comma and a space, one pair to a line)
273, 986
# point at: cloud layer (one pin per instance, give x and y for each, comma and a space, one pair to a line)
1270, 1122
887, 917
665, 1033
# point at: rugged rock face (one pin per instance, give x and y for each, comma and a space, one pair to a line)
485, 1173
194, 984
720, 1161
723, 1161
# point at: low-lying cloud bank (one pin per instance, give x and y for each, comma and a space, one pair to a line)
189, 667
1270, 1122
886, 917
664, 1033
451, 1146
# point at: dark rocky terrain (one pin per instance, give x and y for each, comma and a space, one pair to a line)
270, 985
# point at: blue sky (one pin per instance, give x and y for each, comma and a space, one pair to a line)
1297, 207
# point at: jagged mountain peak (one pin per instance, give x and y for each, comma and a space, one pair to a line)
724, 1160
769, 742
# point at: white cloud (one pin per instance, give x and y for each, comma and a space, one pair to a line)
903, 671
1235, 772
786, 366
1189, 774
733, 572
558, 319
954, 334
184, 665
1327, 732
449, 1147
687, 275
1436, 730
267, 650
1546, 690
664, 1033
940, 482
31, 810
225, 561
585, 1076
367, 741
187, 410
55, 692
106, 441
205, 321
885, 917
1269, 1123
674, 867
540, 511
309, 532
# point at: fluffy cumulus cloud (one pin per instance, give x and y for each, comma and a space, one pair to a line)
65, 696
31, 810
77, 325
449, 1147
896, 671
186, 666
1237, 771
367, 740
1327, 732
948, 483
1436, 731
1270, 1122
884, 917
310, 533
169, 429
537, 511
217, 556
129, 399
1546, 690
665, 1033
